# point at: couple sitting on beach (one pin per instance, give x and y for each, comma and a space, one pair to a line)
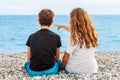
43, 55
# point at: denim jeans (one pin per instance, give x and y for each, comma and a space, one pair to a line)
53, 70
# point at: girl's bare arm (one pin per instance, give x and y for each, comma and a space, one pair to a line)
65, 60
62, 26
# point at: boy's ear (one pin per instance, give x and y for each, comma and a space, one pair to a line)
39, 21
52, 22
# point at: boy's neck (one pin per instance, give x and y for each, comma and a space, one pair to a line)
45, 27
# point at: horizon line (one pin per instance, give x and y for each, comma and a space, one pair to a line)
55, 15
58, 14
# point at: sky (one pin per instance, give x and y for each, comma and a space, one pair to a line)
32, 7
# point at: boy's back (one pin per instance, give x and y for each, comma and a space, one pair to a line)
43, 46
43, 55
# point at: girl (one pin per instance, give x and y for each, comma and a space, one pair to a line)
79, 54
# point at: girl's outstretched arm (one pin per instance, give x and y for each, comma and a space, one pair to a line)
62, 26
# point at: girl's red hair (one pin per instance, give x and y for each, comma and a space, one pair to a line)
82, 29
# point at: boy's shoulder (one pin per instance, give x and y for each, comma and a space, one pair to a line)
32, 34
53, 33
49, 31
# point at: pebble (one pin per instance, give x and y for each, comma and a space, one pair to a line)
108, 62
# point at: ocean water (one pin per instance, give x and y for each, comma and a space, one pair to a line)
15, 29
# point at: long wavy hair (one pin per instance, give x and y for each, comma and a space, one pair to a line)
82, 29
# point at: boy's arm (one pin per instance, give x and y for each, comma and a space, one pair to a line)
62, 26
57, 57
28, 55
65, 60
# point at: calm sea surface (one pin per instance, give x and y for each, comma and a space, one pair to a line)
14, 31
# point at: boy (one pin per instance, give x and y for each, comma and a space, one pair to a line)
43, 48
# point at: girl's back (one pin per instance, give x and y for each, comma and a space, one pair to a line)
81, 59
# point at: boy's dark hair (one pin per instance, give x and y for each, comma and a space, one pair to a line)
46, 17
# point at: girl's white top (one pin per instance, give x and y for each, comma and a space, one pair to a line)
81, 60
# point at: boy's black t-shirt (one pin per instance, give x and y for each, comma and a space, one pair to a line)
43, 46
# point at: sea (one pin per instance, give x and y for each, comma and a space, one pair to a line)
15, 30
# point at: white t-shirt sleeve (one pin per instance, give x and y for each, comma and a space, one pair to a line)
70, 48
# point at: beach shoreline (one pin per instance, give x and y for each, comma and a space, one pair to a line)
108, 62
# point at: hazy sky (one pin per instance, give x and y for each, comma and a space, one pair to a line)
17, 7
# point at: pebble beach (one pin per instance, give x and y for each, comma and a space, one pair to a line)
108, 62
